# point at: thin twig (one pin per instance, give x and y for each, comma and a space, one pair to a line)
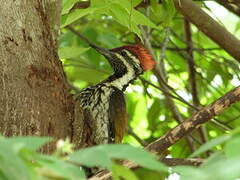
179, 98
161, 75
192, 75
133, 134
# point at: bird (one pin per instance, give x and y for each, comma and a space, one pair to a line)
103, 108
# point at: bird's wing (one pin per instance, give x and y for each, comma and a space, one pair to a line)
117, 116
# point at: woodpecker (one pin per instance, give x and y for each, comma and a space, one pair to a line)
103, 105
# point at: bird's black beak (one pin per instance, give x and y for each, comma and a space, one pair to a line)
105, 52
108, 54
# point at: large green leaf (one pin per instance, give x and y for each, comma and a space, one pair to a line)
104, 154
93, 156
60, 169
134, 15
141, 19
32, 143
11, 165
122, 16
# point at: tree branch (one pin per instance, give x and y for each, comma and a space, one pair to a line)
191, 64
202, 116
138, 139
81, 5
209, 26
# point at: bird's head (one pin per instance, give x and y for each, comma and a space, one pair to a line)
130, 57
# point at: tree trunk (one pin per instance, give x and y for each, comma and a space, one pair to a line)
34, 97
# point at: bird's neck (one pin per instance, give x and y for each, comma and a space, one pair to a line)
121, 80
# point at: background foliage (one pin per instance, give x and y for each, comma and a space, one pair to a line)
112, 23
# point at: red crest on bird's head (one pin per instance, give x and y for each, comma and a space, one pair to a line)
146, 60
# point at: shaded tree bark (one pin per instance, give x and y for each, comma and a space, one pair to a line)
34, 97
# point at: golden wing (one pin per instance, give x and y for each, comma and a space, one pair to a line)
117, 116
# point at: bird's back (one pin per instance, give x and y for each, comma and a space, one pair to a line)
104, 115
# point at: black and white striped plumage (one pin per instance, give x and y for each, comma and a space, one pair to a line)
103, 105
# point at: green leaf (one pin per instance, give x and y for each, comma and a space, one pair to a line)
227, 169
126, 15
217, 156
210, 144
103, 154
121, 15
11, 165
32, 143
153, 114
93, 156
146, 174
131, 104
129, 5
237, 27
71, 52
100, 4
188, 172
140, 18
67, 5
60, 168
121, 172
75, 15
170, 8
232, 147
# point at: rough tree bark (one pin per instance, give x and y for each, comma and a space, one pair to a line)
34, 97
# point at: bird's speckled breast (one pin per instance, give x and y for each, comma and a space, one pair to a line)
95, 100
